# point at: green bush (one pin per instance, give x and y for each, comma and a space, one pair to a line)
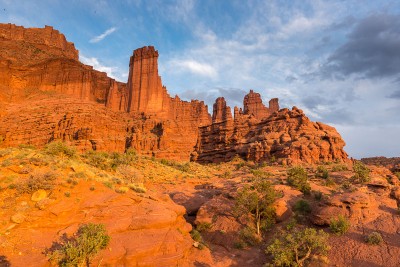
60, 149
122, 189
108, 161
204, 226
295, 247
339, 167
374, 238
340, 225
297, 177
260, 174
361, 172
256, 199
196, 236
318, 195
80, 250
322, 172
302, 206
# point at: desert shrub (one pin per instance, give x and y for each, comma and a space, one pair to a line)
6, 163
361, 172
322, 172
5, 152
122, 189
80, 250
226, 175
339, 167
374, 238
107, 161
297, 177
60, 149
204, 226
240, 165
130, 174
196, 236
165, 162
302, 206
138, 188
36, 181
117, 159
329, 182
26, 146
295, 247
78, 175
249, 236
318, 195
108, 184
340, 225
97, 159
257, 199
185, 167
260, 173
67, 194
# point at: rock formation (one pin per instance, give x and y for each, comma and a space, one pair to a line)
285, 135
40, 66
252, 105
40, 61
221, 112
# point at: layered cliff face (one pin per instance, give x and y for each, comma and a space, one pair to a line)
36, 61
286, 135
177, 121
40, 65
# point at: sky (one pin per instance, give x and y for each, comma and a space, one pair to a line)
338, 60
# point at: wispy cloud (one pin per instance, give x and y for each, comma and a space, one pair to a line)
100, 37
94, 62
195, 67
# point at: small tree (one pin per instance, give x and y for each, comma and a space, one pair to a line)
297, 177
257, 200
89, 240
361, 172
296, 246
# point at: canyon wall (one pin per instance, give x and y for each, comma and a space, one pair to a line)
37, 61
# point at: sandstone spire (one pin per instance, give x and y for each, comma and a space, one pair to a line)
146, 93
221, 112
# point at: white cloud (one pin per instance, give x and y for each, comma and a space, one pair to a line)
94, 62
195, 67
100, 37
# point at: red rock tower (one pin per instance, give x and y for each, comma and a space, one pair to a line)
221, 112
146, 93
253, 105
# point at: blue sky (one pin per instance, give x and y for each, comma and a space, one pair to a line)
339, 61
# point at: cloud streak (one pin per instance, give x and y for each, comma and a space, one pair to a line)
94, 62
195, 67
100, 37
